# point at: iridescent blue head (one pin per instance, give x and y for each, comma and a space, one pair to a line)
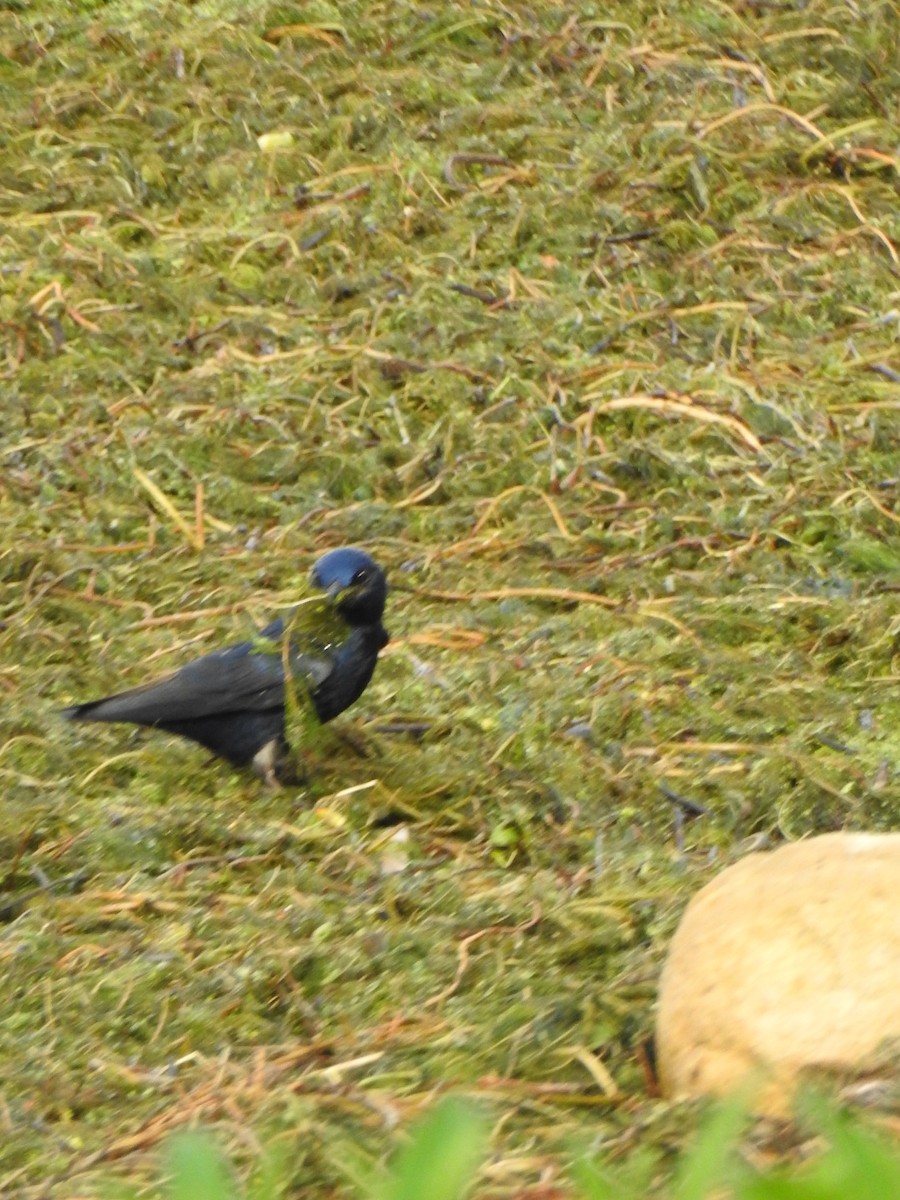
354, 582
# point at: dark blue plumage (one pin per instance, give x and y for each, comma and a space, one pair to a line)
233, 700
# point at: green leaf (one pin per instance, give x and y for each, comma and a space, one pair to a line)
442, 1155
198, 1169
706, 1164
857, 1166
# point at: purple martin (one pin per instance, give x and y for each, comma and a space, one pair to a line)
233, 701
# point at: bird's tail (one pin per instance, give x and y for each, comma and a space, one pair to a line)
79, 712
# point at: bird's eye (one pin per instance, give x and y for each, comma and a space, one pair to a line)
361, 576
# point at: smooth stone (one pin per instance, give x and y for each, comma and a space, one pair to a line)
786, 966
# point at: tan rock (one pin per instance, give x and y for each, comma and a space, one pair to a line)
787, 963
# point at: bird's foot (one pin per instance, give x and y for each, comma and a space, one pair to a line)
291, 773
361, 746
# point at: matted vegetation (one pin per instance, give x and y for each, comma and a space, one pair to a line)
586, 323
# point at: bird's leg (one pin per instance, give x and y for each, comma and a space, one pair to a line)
282, 767
265, 763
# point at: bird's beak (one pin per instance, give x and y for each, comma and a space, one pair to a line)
334, 590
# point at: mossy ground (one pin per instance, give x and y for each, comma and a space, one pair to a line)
412, 324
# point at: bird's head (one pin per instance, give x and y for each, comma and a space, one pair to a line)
354, 583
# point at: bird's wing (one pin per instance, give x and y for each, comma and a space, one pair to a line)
248, 677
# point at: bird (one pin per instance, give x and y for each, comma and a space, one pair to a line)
234, 701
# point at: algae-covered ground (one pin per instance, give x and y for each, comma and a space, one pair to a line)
585, 320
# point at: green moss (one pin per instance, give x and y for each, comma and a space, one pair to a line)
367, 336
